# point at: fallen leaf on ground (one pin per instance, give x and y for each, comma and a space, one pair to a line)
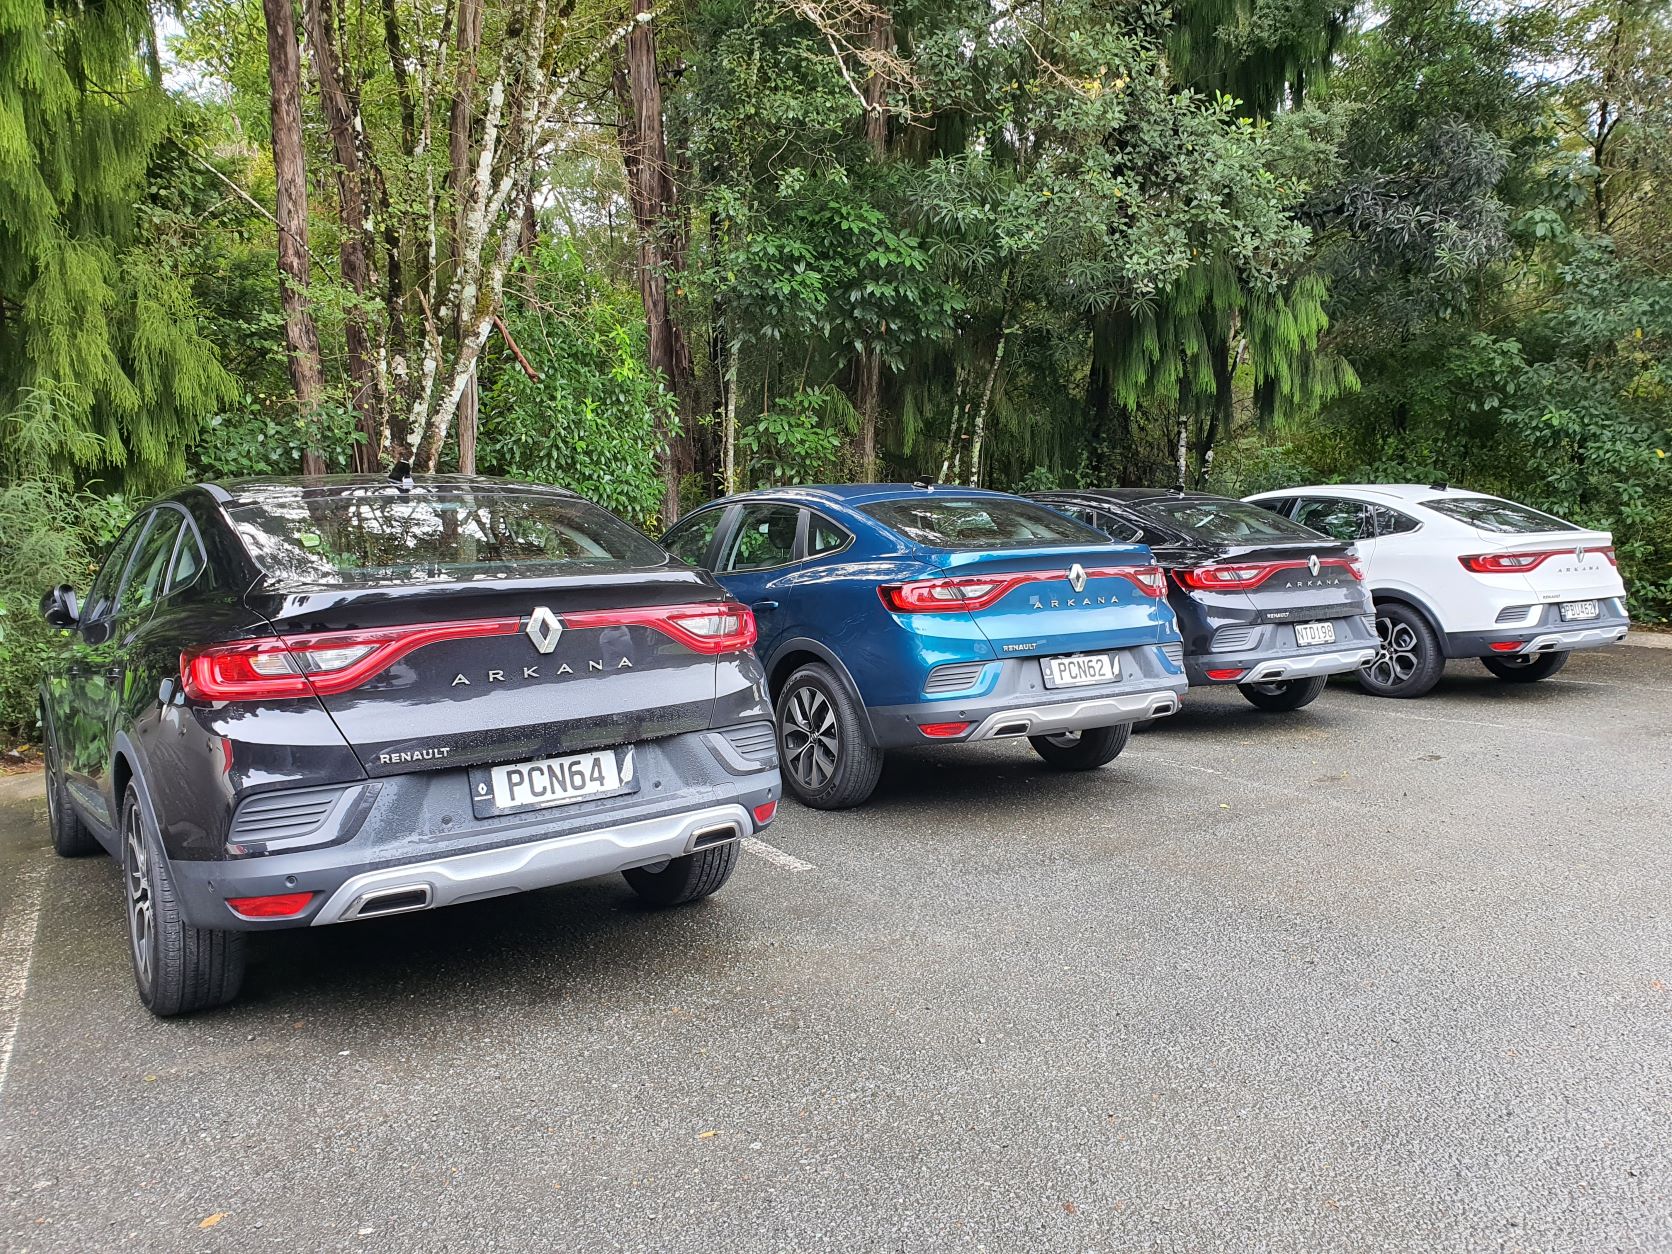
210, 1221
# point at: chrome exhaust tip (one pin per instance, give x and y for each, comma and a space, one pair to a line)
402, 900
719, 834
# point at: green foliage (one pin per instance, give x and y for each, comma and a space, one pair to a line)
588, 421
261, 435
48, 535
797, 441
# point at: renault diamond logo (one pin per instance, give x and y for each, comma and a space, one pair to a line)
544, 629
1313, 565
1579, 554
1077, 577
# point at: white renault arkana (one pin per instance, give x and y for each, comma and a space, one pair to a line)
1458, 574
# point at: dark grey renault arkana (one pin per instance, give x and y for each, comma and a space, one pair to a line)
286, 703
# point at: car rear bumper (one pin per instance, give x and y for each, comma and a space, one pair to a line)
416, 843
1548, 635
1019, 704
1272, 656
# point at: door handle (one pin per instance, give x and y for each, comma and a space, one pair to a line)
764, 605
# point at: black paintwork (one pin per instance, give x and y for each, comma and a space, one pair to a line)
117, 710
1290, 596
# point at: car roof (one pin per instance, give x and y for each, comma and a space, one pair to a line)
289, 487
1412, 493
856, 493
1133, 496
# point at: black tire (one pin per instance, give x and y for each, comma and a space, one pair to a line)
1409, 661
690, 878
178, 969
1082, 751
1525, 670
71, 838
828, 763
1144, 725
1288, 694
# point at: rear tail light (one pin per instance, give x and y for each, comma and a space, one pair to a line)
977, 592
1529, 559
279, 906
327, 663
943, 731
1242, 575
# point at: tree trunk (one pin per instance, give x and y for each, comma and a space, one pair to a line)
868, 372
290, 177
644, 151
978, 434
728, 436
354, 219
461, 124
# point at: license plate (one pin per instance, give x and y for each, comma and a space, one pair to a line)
1314, 633
1572, 611
550, 782
1087, 668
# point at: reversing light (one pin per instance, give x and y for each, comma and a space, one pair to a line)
943, 731
765, 812
278, 906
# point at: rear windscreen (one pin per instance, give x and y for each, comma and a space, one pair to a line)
1225, 522
951, 522
1490, 514
384, 535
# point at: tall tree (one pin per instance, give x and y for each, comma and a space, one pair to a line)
290, 177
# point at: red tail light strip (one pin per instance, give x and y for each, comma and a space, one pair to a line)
333, 662
1240, 576
978, 592
1526, 559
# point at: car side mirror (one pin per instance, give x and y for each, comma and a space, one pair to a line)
60, 608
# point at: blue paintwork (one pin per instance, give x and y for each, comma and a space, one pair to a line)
834, 599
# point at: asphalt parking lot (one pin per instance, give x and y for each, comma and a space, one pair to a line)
1377, 976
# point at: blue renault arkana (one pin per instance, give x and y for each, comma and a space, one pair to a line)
900, 614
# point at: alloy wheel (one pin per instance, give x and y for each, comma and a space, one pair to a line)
1064, 740
811, 741
1396, 660
136, 867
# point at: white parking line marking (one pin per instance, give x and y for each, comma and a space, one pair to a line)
17, 952
1609, 683
1475, 722
777, 857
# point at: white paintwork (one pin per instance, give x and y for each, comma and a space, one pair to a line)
1424, 563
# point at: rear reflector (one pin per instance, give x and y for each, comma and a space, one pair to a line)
1244, 575
1226, 674
281, 906
1505, 646
942, 731
977, 592
765, 812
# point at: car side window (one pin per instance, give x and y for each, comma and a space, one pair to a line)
101, 595
1117, 528
1345, 520
824, 536
189, 559
1390, 522
765, 536
1278, 505
689, 540
144, 581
